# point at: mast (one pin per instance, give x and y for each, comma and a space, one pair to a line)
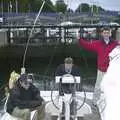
16, 5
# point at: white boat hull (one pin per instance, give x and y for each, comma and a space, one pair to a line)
111, 87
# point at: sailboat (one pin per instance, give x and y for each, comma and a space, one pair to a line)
59, 105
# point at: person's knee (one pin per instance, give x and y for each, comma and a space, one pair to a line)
27, 114
21, 113
27, 110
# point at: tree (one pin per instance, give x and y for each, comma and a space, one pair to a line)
84, 7
60, 6
22, 5
100, 9
36, 4
26, 5
49, 7
14, 5
5, 5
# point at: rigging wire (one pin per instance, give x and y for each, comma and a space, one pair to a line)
53, 8
24, 57
54, 50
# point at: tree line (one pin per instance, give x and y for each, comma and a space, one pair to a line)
34, 6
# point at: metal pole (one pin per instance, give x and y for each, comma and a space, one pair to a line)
10, 7
16, 3
92, 13
2, 7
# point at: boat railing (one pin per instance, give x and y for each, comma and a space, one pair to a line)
52, 34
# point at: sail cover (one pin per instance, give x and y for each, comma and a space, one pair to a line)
111, 87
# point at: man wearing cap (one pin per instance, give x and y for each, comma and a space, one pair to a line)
25, 97
102, 48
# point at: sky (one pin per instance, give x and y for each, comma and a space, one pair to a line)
106, 4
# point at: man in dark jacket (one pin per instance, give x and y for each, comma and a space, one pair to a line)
102, 48
67, 68
23, 98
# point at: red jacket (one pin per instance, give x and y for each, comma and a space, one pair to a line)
101, 49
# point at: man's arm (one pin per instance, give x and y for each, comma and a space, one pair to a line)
91, 45
59, 71
87, 42
36, 93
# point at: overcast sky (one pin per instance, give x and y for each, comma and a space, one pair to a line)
106, 4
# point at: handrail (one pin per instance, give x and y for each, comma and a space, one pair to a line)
60, 26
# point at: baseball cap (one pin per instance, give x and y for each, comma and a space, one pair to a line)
23, 78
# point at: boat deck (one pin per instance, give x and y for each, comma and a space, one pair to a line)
95, 115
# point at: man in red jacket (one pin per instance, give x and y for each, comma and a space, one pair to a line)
102, 48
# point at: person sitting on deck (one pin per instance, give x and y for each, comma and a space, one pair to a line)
23, 98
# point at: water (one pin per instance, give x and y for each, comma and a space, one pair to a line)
46, 67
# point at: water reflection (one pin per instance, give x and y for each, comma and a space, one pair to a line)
45, 70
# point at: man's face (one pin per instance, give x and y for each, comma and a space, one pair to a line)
68, 66
106, 33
